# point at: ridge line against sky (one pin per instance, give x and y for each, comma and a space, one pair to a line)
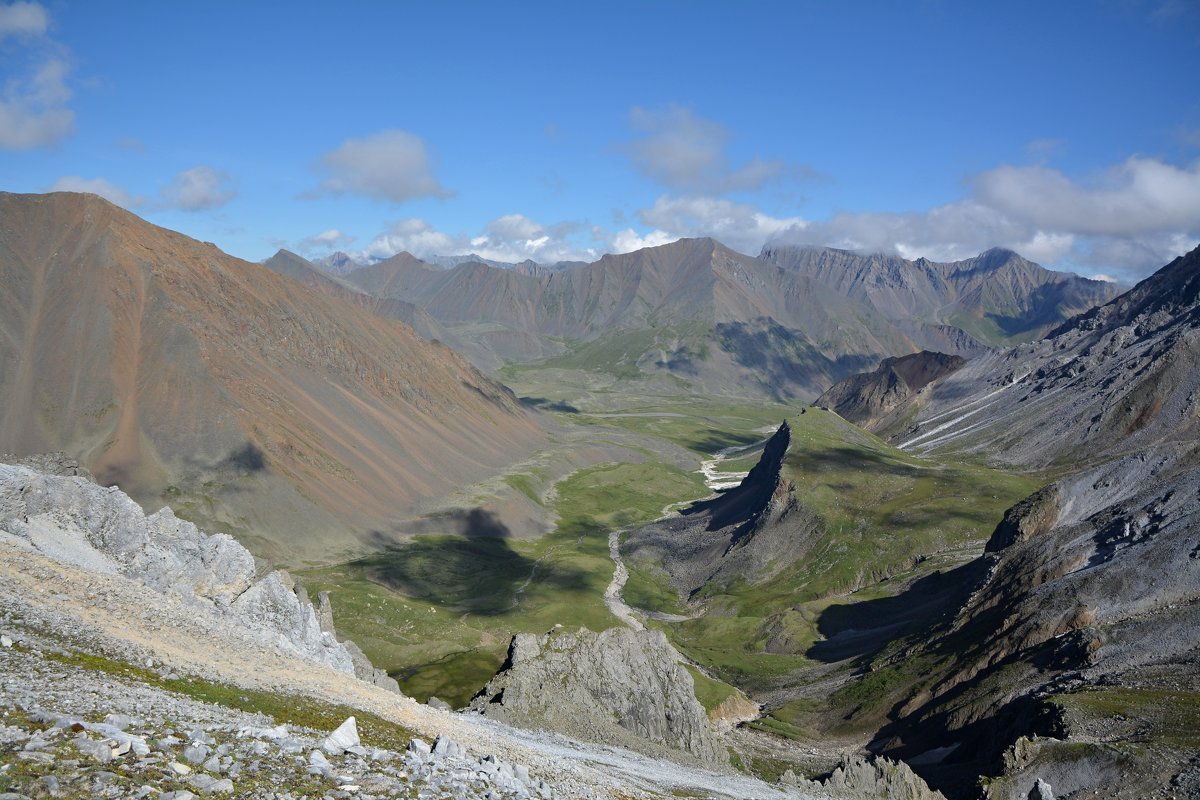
1069, 132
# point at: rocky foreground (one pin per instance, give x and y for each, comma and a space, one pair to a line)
142, 658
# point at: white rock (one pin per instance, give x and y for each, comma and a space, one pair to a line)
344, 737
180, 769
5, 641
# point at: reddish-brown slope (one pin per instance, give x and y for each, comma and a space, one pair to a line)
300, 421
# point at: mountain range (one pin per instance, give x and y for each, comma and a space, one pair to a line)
786, 324
298, 419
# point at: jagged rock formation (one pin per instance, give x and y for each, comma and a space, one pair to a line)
869, 778
996, 297
869, 397
620, 687
303, 423
752, 532
101, 529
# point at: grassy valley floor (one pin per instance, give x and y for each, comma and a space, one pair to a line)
437, 611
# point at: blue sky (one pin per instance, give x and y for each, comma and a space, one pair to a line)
1069, 131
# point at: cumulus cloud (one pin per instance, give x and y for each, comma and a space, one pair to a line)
101, 186
628, 240
1139, 196
33, 110
512, 238
389, 165
686, 153
1131, 219
197, 189
325, 240
23, 19
738, 225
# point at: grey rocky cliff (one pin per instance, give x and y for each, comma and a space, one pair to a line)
618, 687
364, 670
869, 778
101, 529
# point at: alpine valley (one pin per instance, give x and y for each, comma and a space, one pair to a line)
679, 522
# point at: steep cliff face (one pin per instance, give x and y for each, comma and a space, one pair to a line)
620, 687
751, 532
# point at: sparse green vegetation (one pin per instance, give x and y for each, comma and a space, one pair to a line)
307, 712
711, 693
438, 612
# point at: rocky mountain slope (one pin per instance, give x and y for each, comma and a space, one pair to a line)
1081, 637
867, 398
1117, 379
296, 420
995, 297
729, 323
1072, 661
135, 667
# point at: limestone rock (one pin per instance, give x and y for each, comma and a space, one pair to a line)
620, 687
342, 739
859, 778
102, 529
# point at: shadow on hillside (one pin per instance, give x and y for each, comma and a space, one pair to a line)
545, 404
858, 630
475, 572
713, 440
852, 458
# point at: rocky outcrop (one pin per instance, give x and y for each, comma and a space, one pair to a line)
870, 396
619, 687
869, 778
101, 529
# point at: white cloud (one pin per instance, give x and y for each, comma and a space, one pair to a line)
738, 225
197, 189
512, 238
1139, 196
628, 240
687, 153
33, 109
389, 165
414, 236
1134, 218
23, 19
326, 240
101, 186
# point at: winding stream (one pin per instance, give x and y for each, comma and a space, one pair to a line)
716, 480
